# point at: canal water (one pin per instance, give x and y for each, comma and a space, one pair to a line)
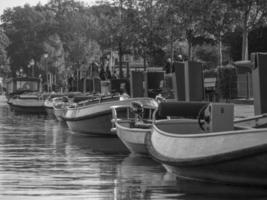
41, 158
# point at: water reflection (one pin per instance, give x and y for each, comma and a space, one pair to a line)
203, 190
142, 178
98, 144
41, 158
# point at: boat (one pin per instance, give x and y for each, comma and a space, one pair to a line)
60, 107
50, 101
94, 115
21, 85
28, 103
210, 147
133, 127
62, 103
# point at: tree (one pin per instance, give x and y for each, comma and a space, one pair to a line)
149, 32
170, 19
4, 62
26, 28
217, 21
113, 27
189, 16
250, 15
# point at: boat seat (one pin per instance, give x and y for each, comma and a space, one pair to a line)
142, 125
179, 126
77, 99
109, 98
180, 109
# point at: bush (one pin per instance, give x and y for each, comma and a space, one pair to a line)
206, 54
227, 82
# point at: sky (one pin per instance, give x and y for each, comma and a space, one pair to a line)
4, 4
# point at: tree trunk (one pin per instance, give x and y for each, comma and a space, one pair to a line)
172, 52
120, 60
245, 45
144, 62
189, 37
189, 50
220, 51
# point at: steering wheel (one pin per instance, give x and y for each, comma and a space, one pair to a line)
202, 119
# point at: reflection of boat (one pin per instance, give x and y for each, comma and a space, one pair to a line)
193, 189
216, 153
132, 129
110, 145
145, 170
140, 177
94, 116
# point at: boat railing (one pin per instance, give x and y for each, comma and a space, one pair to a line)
95, 99
115, 113
110, 97
257, 121
138, 115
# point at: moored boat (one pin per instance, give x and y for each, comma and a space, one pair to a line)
94, 115
60, 107
50, 101
58, 99
28, 103
62, 103
133, 127
217, 153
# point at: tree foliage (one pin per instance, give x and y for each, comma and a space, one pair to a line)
250, 14
74, 34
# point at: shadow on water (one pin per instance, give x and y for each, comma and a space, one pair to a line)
193, 189
98, 144
140, 177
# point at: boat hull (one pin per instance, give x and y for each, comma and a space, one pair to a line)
28, 106
49, 111
98, 123
244, 171
133, 138
59, 113
232, 157
29, 109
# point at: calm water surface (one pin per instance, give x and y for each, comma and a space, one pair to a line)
41, 159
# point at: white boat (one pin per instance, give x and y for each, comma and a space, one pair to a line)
60, 107
50, 101
94, 116
216, 153
133, 127
60, 111
28, 103
61, 104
